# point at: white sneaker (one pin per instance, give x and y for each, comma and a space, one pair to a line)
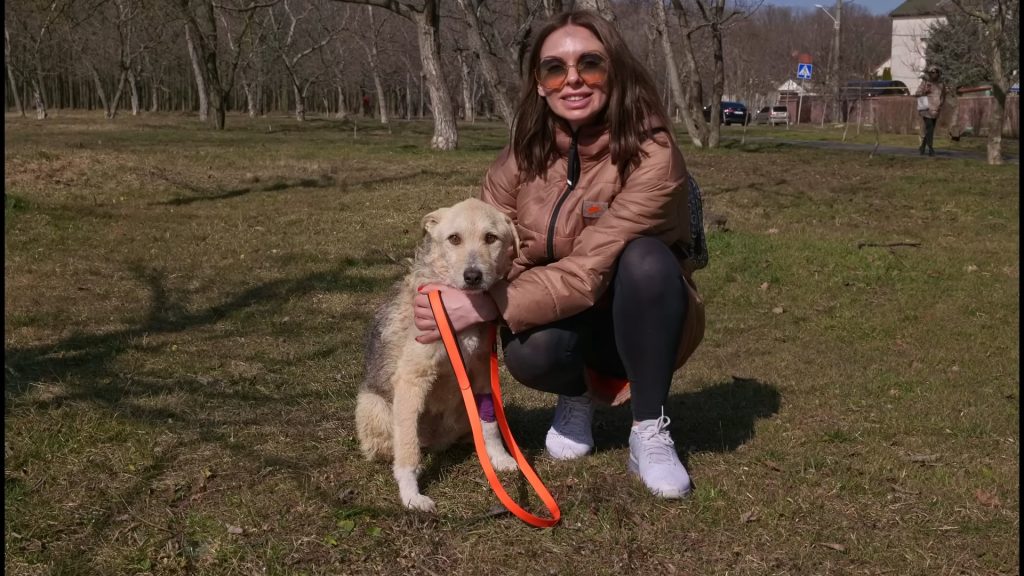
652, 457
570, 436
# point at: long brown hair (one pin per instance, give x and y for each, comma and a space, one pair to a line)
633, 103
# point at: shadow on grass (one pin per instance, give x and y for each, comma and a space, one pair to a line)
86, 357
717, 418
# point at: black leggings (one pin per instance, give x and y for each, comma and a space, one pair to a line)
636, 336
929, 132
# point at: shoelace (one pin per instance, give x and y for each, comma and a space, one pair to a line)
656, 443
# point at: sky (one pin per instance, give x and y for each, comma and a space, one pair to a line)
874, 6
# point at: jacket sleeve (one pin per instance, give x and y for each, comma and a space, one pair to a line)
647, 205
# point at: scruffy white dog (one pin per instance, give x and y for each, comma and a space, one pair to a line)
409, 397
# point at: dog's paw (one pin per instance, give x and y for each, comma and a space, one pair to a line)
504, 463
419, 502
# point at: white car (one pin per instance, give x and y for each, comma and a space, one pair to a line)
772, 115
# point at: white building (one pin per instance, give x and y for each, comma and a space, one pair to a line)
911, 27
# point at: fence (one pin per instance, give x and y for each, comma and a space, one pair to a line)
898, 114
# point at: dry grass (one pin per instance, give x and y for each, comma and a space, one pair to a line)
184, 313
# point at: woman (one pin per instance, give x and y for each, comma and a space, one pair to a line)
931, 95
602, 290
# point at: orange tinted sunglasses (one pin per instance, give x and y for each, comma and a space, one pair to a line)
591, 67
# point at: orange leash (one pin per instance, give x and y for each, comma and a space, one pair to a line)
451, 345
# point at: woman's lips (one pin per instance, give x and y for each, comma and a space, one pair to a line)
577, 101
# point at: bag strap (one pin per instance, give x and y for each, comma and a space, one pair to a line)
451, 345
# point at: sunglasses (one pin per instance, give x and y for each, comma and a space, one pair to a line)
591, 67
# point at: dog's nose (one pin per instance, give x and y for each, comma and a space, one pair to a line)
473, 277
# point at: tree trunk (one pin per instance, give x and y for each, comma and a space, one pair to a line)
133, 91
115, 103
300, 104
693, 87
37, 97
718, 85
446, 135
100, 91
197, 69
674, 82
250, 98
154, 97
10, 73
487, 64
467, 92
999, 88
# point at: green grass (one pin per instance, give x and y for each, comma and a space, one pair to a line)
184, 317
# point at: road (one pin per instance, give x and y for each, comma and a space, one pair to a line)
882, 150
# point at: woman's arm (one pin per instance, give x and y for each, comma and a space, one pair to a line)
648, 204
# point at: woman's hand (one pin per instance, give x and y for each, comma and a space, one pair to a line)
465, 308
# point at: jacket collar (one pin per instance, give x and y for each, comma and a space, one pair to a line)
592, 141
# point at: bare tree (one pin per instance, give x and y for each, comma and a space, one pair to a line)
370, 47
427, 18
201, 18
9, 64
296, 37
36, 35
488, 65
998, 17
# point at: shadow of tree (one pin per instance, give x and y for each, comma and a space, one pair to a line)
85, 358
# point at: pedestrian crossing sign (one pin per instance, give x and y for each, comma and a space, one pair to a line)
803, 71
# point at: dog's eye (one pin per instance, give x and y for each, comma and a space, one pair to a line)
490, 238
455, 239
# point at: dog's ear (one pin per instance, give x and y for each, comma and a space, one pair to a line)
515, 235
431, 220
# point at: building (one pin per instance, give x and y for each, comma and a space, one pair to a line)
911, 27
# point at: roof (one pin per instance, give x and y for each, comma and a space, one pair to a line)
912, 8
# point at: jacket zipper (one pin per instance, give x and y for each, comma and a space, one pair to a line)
572, 176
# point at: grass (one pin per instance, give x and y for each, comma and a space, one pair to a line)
184, 315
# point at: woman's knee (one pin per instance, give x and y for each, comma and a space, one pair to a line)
545, 360
647, 264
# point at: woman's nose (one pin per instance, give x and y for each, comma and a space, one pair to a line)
573, 77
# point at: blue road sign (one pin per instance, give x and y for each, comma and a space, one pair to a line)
803, 71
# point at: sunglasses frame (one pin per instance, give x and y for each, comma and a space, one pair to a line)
565, 78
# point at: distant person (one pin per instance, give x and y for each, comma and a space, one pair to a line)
367, 110
931, 95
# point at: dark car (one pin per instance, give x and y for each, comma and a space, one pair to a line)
732, 112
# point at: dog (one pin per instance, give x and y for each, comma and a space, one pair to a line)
409, 397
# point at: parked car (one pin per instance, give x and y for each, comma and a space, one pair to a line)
732, 112
772, 115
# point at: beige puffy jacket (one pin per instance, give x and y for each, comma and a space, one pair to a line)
572, 235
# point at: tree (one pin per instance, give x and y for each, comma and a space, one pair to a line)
991, 25
426, 16
203, 21
487, 61
296, 37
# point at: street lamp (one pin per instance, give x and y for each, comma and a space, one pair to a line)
835, 42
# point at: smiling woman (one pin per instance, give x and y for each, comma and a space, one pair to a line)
600, 304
